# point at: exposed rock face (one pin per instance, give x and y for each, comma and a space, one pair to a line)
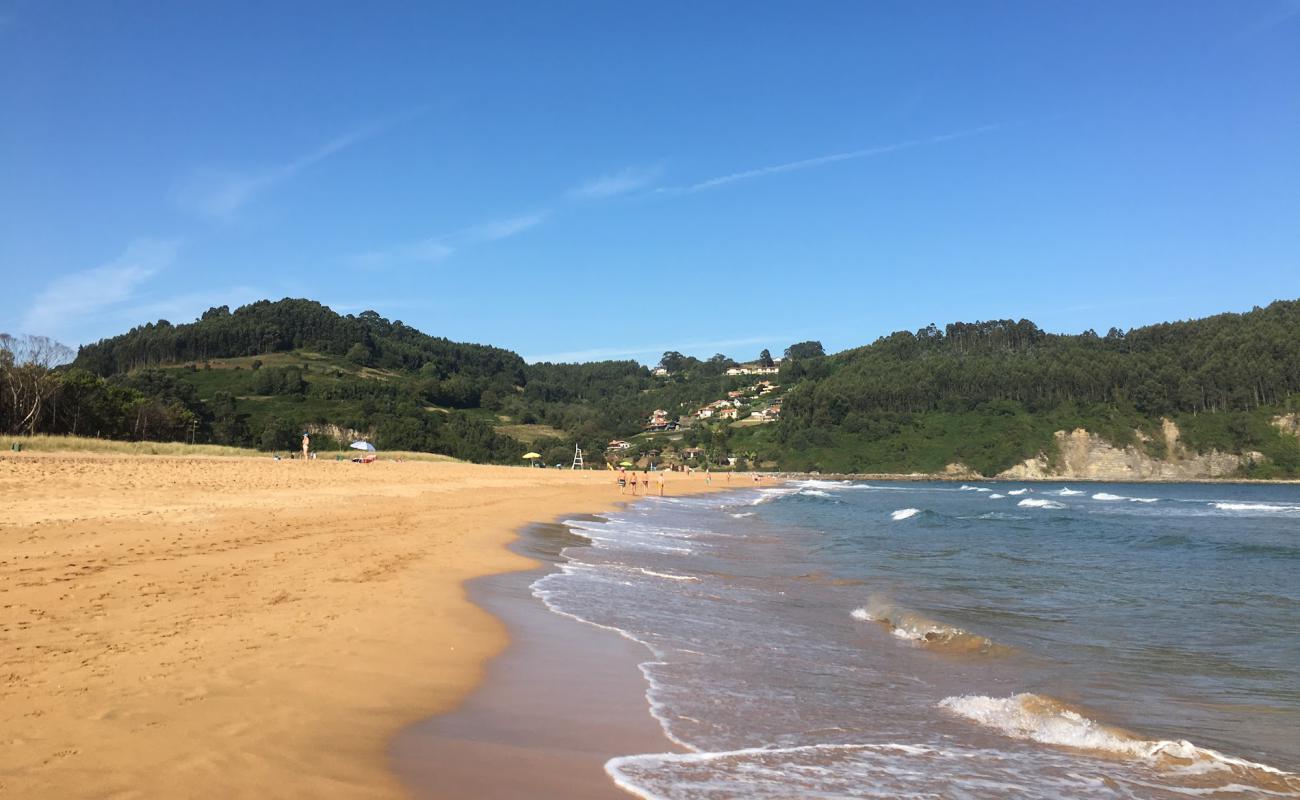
959, 471
1288, 423
335, 432
1086, 456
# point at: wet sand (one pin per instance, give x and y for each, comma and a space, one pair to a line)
230, 628
563, 699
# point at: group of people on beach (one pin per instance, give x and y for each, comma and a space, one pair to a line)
629, 480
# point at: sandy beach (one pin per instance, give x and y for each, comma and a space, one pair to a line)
207, 627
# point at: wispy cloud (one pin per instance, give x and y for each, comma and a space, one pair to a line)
821, 161
218, 194
504, 228
439, 248
616, 183
706, 348
69, 302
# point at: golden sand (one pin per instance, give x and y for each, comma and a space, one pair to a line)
206, 627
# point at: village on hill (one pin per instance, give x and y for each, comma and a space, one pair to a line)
664, 442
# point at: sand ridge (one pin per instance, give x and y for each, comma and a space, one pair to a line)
212, 627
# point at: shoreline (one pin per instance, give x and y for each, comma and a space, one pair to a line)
244, 627
942, 477
562, 699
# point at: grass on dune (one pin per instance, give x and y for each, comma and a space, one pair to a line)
81, 444
42, 443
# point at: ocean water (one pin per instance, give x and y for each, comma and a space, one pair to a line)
932, 640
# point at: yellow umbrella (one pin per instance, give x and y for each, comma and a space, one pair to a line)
531, 457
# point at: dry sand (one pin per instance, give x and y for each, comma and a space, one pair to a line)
230, 628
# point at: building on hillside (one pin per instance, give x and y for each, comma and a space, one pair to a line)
659, 421
734, 394
704, 413
693, 453
618, 444
773, 411
729, 413
753, 369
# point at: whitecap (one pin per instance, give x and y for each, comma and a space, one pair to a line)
998, 496
1017, 492
904, 513
1033, 502
1049, 721
1113, 498
1068, 492
1270, 508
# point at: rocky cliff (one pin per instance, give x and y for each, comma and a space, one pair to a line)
1085, 456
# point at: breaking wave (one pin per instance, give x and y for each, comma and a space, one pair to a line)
1269, 508
1049, 721
1068, 492
1114, 498
918, 630
904, 513
1033, 502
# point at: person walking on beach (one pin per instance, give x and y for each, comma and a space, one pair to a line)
306, 446
661, 483
622, 480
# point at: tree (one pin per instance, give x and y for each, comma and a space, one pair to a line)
765, 359
26, 378
359, 355
809, 349
674, 361
279, 434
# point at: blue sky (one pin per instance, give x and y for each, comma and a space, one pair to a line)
591, 180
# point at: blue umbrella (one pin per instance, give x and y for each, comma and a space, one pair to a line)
367, 446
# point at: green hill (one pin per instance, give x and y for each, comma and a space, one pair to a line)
986, 394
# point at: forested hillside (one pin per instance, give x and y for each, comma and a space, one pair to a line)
985, 394
991, 393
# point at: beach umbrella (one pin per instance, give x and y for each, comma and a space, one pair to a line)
531, 457
625, 463
367, 446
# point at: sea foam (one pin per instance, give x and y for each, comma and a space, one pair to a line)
1115, 498
1049, 721
904, 513
1033, 502
1269, 508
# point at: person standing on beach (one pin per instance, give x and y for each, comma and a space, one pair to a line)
661, 483
306, 446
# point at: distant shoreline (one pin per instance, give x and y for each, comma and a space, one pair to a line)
946, 478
